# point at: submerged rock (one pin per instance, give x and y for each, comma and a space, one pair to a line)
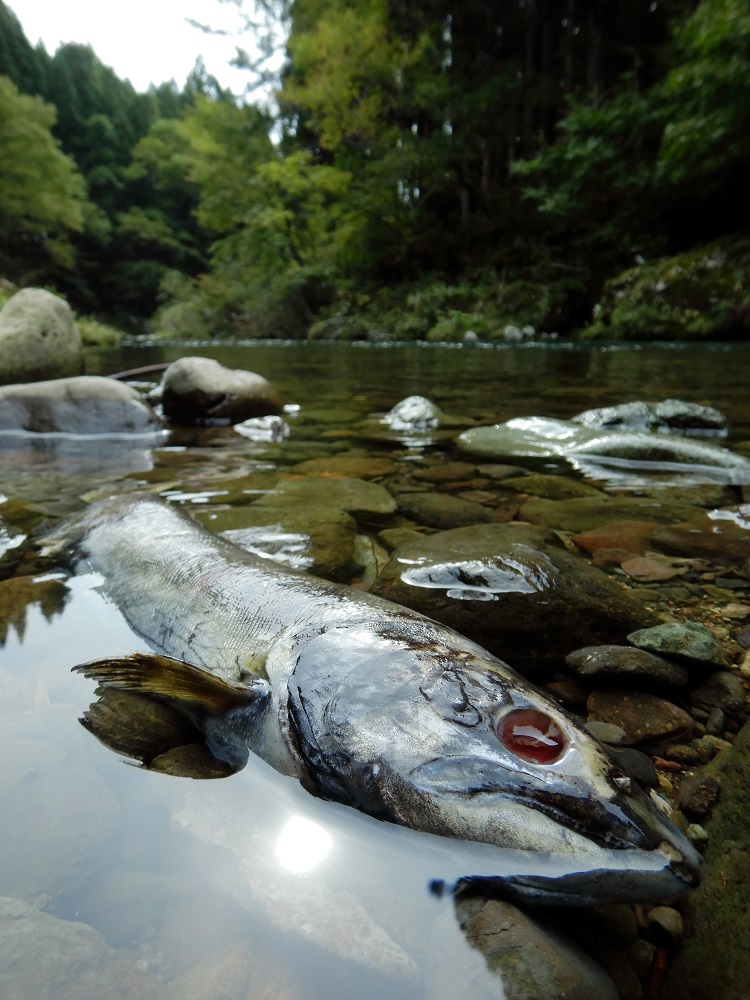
582, 514
436, 510
643, 717
38, 338
313, 537
200, 390
667, 416
624, 663
44, 957
599, 452
87, 404
527, 602
722, 534
516, 956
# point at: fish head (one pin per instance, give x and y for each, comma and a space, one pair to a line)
425, 728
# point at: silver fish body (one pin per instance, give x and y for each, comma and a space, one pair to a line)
376, 706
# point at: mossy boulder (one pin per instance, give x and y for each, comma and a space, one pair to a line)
715, 959
699, 295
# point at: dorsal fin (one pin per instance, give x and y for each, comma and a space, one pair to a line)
190, 688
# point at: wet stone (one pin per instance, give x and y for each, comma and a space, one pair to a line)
698, 793
529, 959
525, 601
719, 535
651, 570
315, 537
715, 722
450, 472
356, 496
623, 663
353, 466
644, 717
666, 922
440, 511
627, 536
607, 733
723, 690
581, 514
686, 641
550, 487
46, 958
494, 470
637, 764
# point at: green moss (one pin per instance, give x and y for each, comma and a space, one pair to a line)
96, 334
699, 295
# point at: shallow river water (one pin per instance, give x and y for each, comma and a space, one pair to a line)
131, 883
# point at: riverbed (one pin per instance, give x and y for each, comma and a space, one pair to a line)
134, 883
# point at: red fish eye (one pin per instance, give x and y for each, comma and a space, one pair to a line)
532, 736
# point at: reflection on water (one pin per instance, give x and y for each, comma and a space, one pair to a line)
127, 882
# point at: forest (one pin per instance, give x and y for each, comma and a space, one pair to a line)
547, 167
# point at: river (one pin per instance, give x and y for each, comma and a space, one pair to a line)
139, 884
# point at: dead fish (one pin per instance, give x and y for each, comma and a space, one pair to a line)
370, 704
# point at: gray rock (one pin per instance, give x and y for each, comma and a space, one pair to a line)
86, 404
686, 641
527, 602
200, 390
668, 416
516, 957
38, 338
607, 733
722, 690
624, 663
413, 413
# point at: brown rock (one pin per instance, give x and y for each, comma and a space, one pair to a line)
644, 717
651, 570
632, 536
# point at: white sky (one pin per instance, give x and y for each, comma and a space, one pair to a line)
144, 41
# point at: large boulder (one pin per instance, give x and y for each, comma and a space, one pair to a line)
87, 404
38, 338
526, 601
200, 390
697, 295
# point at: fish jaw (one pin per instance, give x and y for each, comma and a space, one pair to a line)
412, 731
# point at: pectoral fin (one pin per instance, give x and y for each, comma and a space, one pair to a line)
193, 690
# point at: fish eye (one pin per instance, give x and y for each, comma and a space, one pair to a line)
531, 735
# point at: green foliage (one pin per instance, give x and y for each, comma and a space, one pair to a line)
42, 196
706, 97
698, 295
